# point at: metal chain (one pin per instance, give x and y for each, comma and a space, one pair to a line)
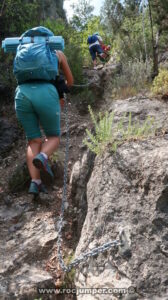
84, 84
64, 195
95, 251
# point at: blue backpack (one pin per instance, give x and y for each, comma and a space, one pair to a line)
92, 39
35, 60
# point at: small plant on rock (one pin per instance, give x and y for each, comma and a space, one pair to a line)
108, 132
69, 276
57, 156
133, 78
83, 99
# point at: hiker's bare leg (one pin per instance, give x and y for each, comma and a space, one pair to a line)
34, 147
94, 63
50, 145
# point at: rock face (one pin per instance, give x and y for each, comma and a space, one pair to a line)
54, 9
79, 177
128, 191
8, 134
140, 108
4, 92
27, 242
98, 79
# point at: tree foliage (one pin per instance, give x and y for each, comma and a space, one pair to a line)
160, 14
113, 14
135, 29
16, 16
139, 28
82, 14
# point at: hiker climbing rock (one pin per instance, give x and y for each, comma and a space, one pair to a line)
37, 105
97, 48
106, 49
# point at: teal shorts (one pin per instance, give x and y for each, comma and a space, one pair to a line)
37, 104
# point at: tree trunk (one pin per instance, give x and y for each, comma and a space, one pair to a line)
154, 45
155, 56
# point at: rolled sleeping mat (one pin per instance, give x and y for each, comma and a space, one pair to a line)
11, 44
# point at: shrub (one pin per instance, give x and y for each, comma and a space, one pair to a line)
7, 79
132, 79
109, 133
75, 61
160, 83
83, 99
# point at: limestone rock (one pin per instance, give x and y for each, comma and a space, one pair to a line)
98, 79
19, 179
54, 9
81, 172
28, 242
140, 108
128, 191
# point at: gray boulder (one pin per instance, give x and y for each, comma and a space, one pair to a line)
128, 191
98, 79
27, 242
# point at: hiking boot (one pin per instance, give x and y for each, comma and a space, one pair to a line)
35, 188
40, 162
43, 189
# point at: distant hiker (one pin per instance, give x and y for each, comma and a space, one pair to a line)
37, 104
106, 48
95, 48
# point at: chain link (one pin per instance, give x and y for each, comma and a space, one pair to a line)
84, 84
95, 251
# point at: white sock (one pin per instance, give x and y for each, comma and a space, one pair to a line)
37, 181
45, 155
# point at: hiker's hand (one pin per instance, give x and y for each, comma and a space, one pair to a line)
62, 103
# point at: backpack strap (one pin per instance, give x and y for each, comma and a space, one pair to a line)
59, 61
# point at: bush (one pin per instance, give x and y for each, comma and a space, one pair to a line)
109, 133
83, 99
160, 83
75, 61
7, 79
134, 76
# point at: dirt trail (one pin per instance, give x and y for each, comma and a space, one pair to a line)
29, 228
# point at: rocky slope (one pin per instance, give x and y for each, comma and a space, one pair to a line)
29, 229
54, 9
126, 190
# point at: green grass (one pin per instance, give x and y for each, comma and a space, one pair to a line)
57, 156
108, 132
69, 276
